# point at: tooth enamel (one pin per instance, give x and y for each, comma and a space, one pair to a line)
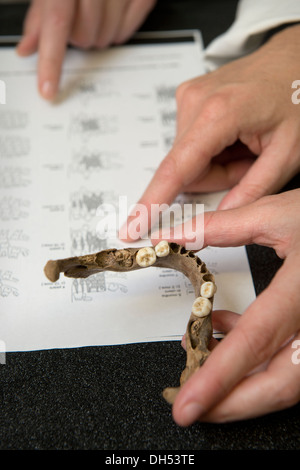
208, 289
201, 307
145, 257
162, 249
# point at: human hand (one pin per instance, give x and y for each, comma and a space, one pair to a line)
236, 128
251, 372
51, 24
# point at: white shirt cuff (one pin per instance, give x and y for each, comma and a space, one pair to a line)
254, 18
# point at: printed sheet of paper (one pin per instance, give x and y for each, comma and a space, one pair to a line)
112, 124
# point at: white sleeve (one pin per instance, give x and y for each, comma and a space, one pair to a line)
253, 19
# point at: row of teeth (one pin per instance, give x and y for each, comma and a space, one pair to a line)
202, 306
146, 256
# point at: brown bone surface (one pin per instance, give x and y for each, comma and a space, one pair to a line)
198, 331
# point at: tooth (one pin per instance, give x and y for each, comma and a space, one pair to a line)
145, 257
201, 307
208, 289
162, 249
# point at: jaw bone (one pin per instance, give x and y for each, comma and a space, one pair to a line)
164, 255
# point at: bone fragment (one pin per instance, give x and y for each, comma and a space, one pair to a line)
199, 327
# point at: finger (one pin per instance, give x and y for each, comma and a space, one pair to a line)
273, 389
56, 26
187, 160
253, 223
29, 42
86, 23
224, 320
272, 169
240, 226
135, 14
258, 334
112, 16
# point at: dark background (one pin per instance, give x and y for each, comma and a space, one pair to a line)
109, 397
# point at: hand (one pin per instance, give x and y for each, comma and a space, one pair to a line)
51, 24
236, 128
251, 372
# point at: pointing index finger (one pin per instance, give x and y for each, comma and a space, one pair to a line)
56, 25
189, 158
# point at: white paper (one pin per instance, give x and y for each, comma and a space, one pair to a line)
111, 126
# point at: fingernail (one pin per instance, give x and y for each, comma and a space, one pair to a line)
191, 413
48, 90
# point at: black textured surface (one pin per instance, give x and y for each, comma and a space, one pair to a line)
110, 397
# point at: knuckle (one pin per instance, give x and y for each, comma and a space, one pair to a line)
216, 106
182, 91
192, 91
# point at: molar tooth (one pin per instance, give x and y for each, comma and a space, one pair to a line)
162, 249
145, 257
208, 289
201, 307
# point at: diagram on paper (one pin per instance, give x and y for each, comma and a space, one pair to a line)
89, 161
13, 243
13, 208
8, 284
85, 289
15, 177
